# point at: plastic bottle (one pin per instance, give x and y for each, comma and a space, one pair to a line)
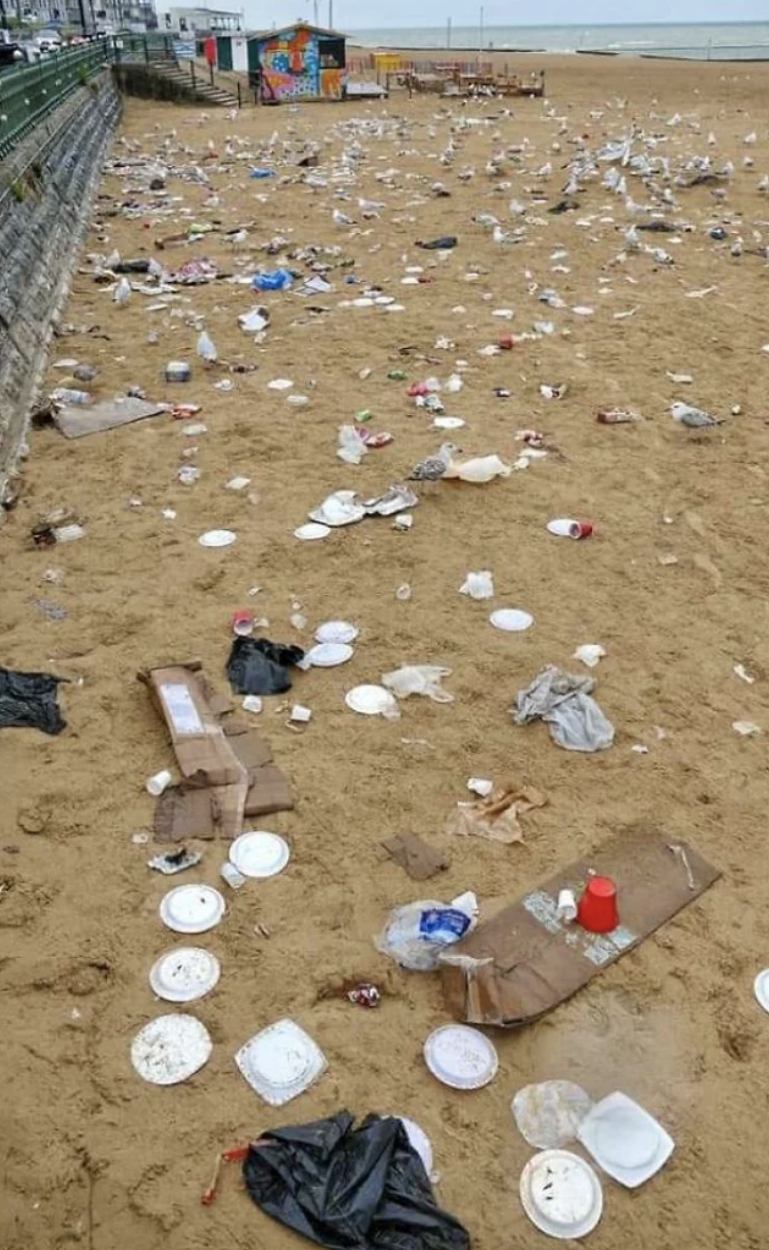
206, 349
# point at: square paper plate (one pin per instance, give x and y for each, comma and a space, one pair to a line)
625, 1141
281, 1062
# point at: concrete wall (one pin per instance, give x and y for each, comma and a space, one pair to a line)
47, 185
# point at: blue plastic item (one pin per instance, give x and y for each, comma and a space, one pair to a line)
278, 280
262, 173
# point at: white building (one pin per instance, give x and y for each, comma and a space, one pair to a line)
202, 21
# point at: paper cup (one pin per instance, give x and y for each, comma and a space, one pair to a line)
160, 782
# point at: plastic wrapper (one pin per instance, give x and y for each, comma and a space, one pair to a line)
563, 701
418, 679
343, 1187
478, 585
548, 1115
417, 934
258, 666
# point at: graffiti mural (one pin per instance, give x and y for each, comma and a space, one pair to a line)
299, 64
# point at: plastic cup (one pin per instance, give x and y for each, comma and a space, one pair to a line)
597, 911
567, 906
582, 529
506, 343
243, 623
160, 782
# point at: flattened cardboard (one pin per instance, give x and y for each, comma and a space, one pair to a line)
75, 421
269, 792
418, 858
525, 961
201, 748
190, 811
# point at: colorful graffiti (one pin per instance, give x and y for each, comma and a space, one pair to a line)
295, 66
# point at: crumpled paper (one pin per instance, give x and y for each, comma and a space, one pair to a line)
496, 817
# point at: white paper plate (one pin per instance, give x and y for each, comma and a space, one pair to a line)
280, 1062
312, 531
420, 1141
512, 620
259, 854
761, 988
448, 423
170, 1048
561, 1194
329, 654
184, 974
192, 908
562, 526
625, 1140
338, 509
370, 700
336, 631
461, 1057
217, 538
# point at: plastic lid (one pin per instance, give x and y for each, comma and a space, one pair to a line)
312, 531
336, 631
217, 538
561, 1194
461, 1057
170, 1048
184, 974
369, 700
192, 908
259, 854
513, 620
329, 654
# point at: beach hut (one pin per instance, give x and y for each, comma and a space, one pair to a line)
297, 62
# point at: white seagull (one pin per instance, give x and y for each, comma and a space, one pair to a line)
693, 418
434, 467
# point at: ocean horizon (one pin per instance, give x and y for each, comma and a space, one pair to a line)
695, 40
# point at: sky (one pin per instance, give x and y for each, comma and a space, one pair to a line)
361, 14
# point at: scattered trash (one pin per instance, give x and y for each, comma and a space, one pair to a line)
460, 1057
217, 538
548, 1115
419, 860
336, 631
175, 861
746, 728
597, 910
482, 469
372, 701
259, 854
185, 974
416, 935
478, 585
561, 1194
624, 1140
29, 701
496, 816
281, 1062
258, 666
177, 371
365, 995
158, 783
192, 908
590, 653
170, 1049
419, 679
565, 527
511, 620
563, 701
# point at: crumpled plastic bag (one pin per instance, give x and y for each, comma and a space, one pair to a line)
481, 469
28, 701
563, 701
495, 817
418, 679
548, 1115
278, 280
478, 585
258, 666
417, 934
352, 447
343, 1187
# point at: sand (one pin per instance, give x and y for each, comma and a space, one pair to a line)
95, 1157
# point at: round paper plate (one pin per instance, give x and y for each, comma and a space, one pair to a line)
448, 423
259, 854
626, 1140
184, 974
192, 908
761, 988
512, 620
369, 700
170, 1048
312, 531
563, 527
329, 654
561, 1194
217, 538
461, 1057
420, 1141
336, 631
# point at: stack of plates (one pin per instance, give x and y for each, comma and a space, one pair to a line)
281, 1062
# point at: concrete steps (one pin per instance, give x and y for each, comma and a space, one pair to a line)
198, 89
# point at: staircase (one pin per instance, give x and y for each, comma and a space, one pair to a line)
191, 81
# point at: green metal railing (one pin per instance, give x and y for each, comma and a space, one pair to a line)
29, 92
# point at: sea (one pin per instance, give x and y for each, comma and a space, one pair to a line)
727, 41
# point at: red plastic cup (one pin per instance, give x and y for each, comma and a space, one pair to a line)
507, 342
581, 529
243, 623
597, 911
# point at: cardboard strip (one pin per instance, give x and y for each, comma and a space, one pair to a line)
524, 961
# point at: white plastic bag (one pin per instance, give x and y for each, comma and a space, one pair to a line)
478, 585
206, 349
418, 679
352, 448
416, 935
481, 469
563, 702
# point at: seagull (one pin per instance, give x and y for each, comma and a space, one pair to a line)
434, 467
693, 418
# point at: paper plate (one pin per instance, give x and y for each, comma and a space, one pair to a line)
370, 700
512, 620
336, 631
170, 1048
563, 527
184, 974
561, 1194
625, 1140
280, 1062
461, 1057
329, 654
338, 509
448, 423
259, 854
217, 538
420, 1141
192, 908
312, 531
761, 988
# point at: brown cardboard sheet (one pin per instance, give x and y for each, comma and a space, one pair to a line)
524, 961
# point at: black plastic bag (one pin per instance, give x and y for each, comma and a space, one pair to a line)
443, 244
28, 701
344, 1187
258, 666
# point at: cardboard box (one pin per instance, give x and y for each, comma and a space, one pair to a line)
201, 747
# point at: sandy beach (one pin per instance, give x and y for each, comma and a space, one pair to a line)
673, 584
